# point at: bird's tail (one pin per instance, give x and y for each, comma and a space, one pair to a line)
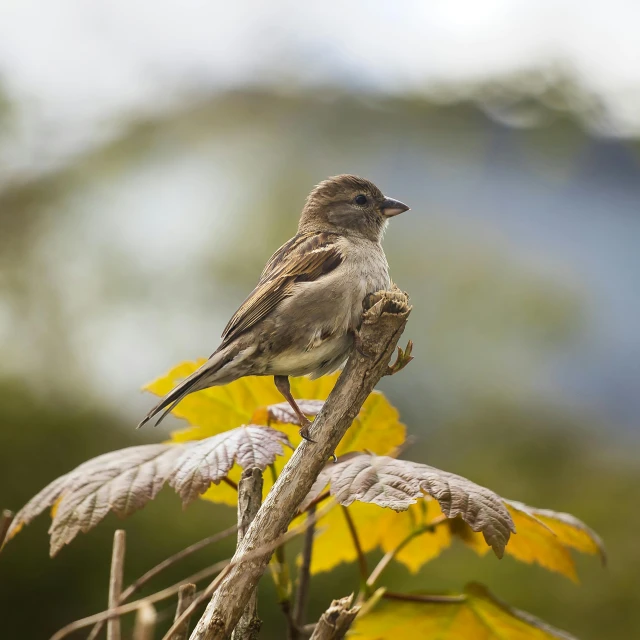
201, 379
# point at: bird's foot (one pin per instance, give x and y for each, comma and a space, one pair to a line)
402, 360
304, 431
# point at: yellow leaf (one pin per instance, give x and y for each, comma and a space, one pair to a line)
382, 528
396, 527
333, 543
217, 409
210, 411
572, 532
535, 542
542, 537
475, 614
377, 428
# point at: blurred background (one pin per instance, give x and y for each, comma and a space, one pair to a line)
154, 155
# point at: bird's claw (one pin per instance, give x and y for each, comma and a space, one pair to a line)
334, 458
304, 432
402, 360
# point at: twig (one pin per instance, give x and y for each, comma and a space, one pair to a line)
316, 501
381, 328
186, 596
223, 567
249, 501
145, 624
133, 606
390, 555
409, 597
304, 574
250, 556
336, 620
115, 581
230, 482
188, 612
168, 562
5, 523
362, 560
176, 557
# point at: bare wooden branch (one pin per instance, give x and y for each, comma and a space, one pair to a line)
222, 567
249, 501
115, 581
165, 564
304, 574
5, 523
145, 624
186, 596
336, 620
382, 327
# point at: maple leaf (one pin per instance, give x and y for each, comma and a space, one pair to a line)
283, 413
541, 536
544, 537
473, 614
125, 480
207, 461
397, 484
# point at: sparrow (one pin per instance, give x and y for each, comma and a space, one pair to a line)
303, 316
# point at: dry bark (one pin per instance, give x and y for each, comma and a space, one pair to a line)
249, 501
336, 620
185, 597
115, 581
383, 324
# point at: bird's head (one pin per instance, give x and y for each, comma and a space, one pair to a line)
350, 205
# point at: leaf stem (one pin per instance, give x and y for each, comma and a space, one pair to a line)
230, 482
390, 555
317, 500
304, 574
362, 560
417, 597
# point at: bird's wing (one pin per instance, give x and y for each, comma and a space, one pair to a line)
304, 258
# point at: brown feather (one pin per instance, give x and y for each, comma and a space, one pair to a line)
304, 258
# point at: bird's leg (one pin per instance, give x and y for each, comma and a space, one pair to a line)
282, 385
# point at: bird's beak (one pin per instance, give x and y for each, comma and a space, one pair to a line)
391, 207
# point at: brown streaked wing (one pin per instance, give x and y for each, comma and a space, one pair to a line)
306, 257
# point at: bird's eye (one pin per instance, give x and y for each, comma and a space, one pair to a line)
361, 200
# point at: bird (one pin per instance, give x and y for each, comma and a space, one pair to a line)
303, 315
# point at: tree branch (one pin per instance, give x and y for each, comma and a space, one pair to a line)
336, 620
249, 500
165, 564
186, 596
115, 581
381, 329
